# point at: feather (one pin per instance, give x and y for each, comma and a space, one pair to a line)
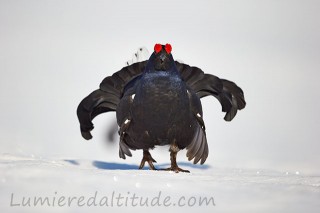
198, 148
199, 153
119, 79
95, 103
205, 154
194, 146
191, 75
108, 85
107, 97
229, 95
124, 150
235, 91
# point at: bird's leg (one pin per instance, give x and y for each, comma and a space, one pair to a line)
147, 158
173, 157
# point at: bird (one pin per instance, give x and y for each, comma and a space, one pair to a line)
158, 103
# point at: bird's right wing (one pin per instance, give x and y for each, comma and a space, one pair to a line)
228, 93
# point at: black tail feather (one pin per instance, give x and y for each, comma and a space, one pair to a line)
106, 98
236, 91
230, 96
92, 105
118, 80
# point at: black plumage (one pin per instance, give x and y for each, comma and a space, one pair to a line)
157, 102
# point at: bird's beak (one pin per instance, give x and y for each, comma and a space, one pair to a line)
162, 58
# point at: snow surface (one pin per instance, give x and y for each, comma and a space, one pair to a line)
232, 190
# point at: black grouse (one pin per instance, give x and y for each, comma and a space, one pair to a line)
157, 103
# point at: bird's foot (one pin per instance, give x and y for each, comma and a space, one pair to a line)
147, 158
175, 169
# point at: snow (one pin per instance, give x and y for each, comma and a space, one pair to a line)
231, 189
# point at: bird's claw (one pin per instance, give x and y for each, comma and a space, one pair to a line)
147, 158
175, 169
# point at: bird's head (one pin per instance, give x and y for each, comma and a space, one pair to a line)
162, 58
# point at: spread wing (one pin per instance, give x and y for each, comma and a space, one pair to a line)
228, 93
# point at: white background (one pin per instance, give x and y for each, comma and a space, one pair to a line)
54, 53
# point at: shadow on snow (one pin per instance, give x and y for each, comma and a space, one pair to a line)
124, 166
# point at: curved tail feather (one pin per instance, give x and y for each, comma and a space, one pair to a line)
118, 80
92, 105
230, 96
106, 98
234, 95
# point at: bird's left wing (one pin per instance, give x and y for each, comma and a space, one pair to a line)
198, 148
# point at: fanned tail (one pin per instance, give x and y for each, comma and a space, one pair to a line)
94, 104
106, 98
234, 95
230, 96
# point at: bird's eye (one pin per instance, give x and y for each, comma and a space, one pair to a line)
157, 48
168, 48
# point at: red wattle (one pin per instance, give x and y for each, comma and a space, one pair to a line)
157, 48
168, 48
